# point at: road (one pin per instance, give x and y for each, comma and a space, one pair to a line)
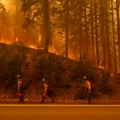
59, 112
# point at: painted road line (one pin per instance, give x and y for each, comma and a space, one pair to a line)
57, 105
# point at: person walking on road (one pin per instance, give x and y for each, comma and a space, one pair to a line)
46, 91
20, 88
87, 85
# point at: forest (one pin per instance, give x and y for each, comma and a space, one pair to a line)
80, 30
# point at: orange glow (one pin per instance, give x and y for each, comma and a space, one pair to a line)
5, 2
32, 46
9, 5
5, 41
52, 49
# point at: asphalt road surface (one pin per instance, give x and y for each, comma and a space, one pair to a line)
59, 112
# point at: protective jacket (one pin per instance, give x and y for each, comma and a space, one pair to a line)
45, 88
87, 85
19, 83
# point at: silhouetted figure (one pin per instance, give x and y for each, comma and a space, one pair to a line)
87, 85
46, 91
20, 89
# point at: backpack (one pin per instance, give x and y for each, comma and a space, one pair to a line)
92, 88
49, 89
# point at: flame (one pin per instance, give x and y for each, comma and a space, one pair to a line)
5, 41
32, 46
52, 49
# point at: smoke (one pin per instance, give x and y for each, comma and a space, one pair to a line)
9, 5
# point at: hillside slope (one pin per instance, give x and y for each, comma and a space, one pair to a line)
63, 74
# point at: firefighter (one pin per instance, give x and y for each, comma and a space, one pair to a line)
87, 85
20, 88
46, 91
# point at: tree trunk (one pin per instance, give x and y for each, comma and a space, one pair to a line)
66, 30
97, 58
46, 23
86, 33
108, 52
102, 33
114, 45
92, 51
80, 42
118, 27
